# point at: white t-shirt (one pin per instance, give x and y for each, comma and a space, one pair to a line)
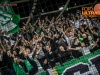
77, 24
85, 51
67, 39
30, 55
89, 22
12, 42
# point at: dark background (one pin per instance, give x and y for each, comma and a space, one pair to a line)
47, 5
24, 8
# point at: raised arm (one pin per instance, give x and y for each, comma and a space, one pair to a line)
15, 43
4, 50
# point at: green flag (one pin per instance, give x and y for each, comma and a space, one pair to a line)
8, 19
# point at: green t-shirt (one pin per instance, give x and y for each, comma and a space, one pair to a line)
80, 39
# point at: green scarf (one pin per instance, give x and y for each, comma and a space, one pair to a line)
28, 65
18, 69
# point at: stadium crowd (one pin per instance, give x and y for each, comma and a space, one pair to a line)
49, 41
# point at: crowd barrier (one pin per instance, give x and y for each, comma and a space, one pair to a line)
84, 65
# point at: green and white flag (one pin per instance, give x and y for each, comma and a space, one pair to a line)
8, 19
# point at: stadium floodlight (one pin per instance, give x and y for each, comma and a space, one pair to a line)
61, 8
